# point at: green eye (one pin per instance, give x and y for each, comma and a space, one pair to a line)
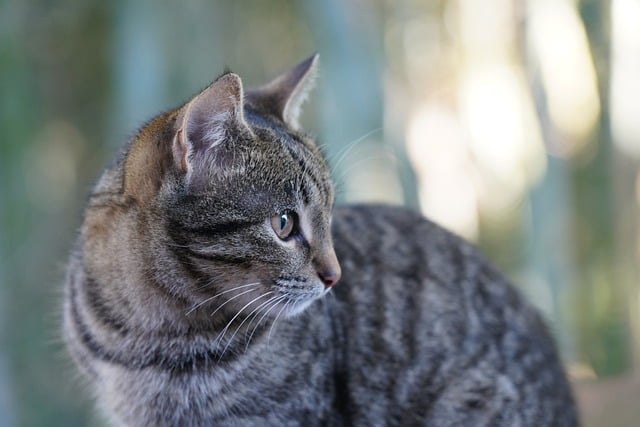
283, 224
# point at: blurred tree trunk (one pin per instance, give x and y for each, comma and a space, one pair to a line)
601, 294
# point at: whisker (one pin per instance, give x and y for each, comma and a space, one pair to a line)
274, 305
342, 155
323, 146
224, 331
275, 320
209, 283
256, 312
201, 303
384, 155
232, 298
245, 319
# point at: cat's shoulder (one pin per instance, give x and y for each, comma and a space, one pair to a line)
403, 240
389, 222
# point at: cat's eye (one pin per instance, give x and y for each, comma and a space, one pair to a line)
284, 224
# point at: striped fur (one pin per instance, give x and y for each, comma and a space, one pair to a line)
184, 308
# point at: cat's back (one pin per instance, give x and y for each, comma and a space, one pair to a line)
431, 331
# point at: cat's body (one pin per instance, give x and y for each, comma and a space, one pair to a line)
419, 331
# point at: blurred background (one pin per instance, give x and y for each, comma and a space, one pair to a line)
515, 123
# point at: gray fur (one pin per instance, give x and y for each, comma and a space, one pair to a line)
419, 331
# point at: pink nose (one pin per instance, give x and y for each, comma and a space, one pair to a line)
329, 277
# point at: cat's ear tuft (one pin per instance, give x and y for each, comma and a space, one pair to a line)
210, 120
283, 96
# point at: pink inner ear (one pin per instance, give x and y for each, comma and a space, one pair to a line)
206, 129
207, 120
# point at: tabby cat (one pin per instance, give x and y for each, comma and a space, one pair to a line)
200, 291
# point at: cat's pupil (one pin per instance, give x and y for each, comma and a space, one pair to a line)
283, 224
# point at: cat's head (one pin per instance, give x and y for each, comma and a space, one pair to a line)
242, 196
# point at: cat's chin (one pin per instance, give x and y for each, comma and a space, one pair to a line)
297, 308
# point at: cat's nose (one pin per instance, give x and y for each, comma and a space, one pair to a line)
329, 277
329, 270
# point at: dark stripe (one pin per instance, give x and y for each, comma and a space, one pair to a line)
305, 194
306, 170
184, 254
100, 308
83, 331
181, 363
211, 230
154, 357
179, 247
227, 259
75, 347
411, 328
341, 398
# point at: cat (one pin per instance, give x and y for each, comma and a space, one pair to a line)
213, 283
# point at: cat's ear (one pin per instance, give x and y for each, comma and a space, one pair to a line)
208, 126
283, 96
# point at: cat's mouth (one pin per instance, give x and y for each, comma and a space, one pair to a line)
297, 293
